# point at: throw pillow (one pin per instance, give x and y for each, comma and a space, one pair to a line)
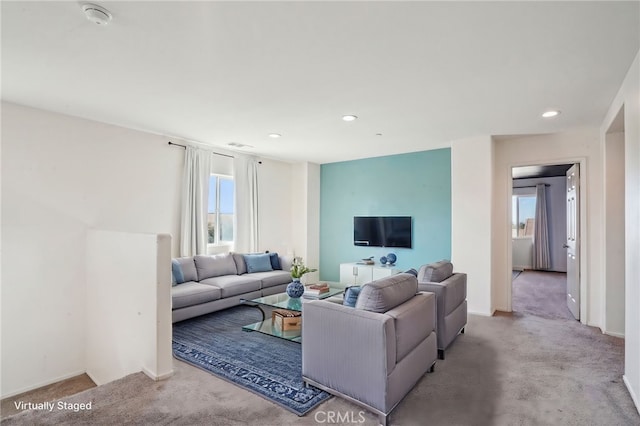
275, 262
412, 272
215, 266
177, 277
258, 262
351, 296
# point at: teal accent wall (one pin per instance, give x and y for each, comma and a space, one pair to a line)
416, 184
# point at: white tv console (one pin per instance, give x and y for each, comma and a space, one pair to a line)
358, 274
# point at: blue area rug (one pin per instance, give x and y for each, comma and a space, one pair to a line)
266, 365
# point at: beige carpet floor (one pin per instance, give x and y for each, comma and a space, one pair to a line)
519, 369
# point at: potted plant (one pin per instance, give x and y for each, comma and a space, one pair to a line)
298, 269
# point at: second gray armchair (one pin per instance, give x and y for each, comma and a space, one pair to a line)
451, 300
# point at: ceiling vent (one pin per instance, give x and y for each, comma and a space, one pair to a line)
96, 14
239, 145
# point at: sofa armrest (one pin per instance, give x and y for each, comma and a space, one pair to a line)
450, 293
348, 350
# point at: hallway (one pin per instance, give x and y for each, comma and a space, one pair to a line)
542, 294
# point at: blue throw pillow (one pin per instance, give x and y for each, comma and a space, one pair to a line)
258, 262
351, 296
275, 262
412, 272
177, 277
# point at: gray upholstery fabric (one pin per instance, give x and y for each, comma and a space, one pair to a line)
387, 293
435, 272
332, 334
451, 295
188, 268
205, 308
241, 266
372, 358
192, 293
272, 278
215, 266
233, 285
418, 310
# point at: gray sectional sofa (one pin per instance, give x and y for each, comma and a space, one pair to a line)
204, 284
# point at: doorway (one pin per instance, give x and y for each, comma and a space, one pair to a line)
539, 284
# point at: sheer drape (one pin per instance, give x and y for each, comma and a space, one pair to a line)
245, 175
195, 196
541, 255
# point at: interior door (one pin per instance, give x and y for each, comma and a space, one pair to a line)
573, 240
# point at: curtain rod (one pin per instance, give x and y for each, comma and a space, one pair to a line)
213, 152
532, 186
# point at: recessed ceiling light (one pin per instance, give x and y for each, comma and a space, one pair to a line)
96, 14
349, 117
550, 113
274, 135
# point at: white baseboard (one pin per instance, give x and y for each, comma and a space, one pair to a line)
634, 397
42, 384
155, 377
614, 334
482, 314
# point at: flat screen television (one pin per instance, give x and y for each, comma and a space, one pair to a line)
382, 231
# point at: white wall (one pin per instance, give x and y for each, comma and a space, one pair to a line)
128, 305
629, 97
471, 218
559, 148
305, 220
614, 234
556, 217
60, 176
274, 206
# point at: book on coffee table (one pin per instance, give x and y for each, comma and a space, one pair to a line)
316, 290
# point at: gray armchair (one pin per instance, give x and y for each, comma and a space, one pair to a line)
451, 300
373, 354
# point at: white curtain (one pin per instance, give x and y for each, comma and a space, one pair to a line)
245, 175
541, 255
195, 197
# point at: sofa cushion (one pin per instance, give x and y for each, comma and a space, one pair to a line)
437, 272
351, 296
215, 266
187, 267
275, 261
240, 265
414, 321
272, 278
387, 293
193, 293
258, 262
233, 285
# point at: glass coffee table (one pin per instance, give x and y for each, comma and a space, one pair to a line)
283, 301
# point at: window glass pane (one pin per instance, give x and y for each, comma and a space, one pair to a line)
226, 196
226, 227
212, 194
211, 221
527, 212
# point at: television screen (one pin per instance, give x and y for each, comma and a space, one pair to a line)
382, 231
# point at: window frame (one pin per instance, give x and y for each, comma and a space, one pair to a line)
217, 241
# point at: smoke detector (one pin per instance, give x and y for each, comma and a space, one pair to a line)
96, 14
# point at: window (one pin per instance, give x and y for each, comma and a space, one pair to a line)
523, 215
220, 217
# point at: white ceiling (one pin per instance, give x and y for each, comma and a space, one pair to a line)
420, 73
